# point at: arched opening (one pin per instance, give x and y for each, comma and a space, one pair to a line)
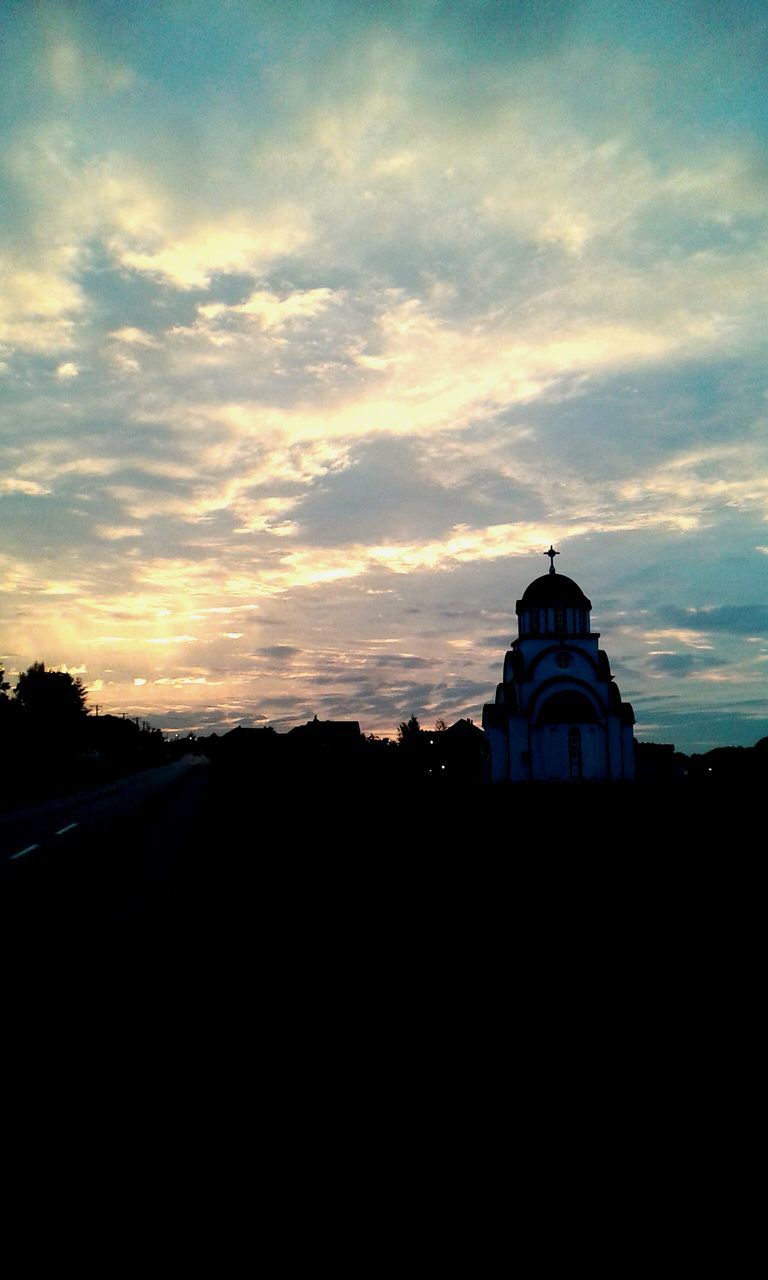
570, 705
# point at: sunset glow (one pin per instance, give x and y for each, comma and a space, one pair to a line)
321, 321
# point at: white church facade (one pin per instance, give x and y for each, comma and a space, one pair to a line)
558, 713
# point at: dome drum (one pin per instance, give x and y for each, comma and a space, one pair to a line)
553, 605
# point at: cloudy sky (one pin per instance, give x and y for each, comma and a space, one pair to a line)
320, 319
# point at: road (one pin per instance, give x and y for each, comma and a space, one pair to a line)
111, 856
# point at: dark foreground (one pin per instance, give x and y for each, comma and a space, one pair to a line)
191, 857
483, 996
452, 966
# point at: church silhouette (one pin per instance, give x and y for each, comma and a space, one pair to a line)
558, 714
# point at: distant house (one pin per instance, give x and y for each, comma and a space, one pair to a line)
659, 762
333, 735
245, 750
455, 755
460, 752
326, 748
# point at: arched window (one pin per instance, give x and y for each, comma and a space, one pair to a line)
574, 753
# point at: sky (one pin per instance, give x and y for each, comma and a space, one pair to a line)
320, 320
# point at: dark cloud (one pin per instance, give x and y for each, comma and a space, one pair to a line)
681, 664
673, 664
748, 619
405, 660
286, 702
390, 493
636, 695
463, 690
358, 679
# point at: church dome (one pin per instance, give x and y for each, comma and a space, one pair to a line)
554, 589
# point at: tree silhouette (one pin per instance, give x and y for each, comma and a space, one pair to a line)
53, 699
8, 712
409, 732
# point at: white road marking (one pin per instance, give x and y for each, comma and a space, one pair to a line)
64, 830
21, 852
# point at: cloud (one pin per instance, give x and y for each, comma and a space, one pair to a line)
117, 533
72, 71
16, 484
133, 336
172, 640
674, 664
700, 665
271, 311
407, 661
748, 619
39, 303
278, 652
124, 363
189, 261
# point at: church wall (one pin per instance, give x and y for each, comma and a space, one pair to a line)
628, 751
581, 668
547, 755
615, 748
519, 750
497, 741
508, 667
594, 752
550, 752
531, 646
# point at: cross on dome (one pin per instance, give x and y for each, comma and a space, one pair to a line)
551, 553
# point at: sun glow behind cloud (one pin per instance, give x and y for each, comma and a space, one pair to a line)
335, 343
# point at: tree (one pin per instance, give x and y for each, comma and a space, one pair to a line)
409, 732
52, 698
8, 712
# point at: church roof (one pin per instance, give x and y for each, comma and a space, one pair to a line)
554, 589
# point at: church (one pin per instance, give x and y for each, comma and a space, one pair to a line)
558, 714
